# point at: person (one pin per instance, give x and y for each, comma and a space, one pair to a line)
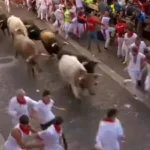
53, 137
43, 110
147, 81
81, 22
92, 21
134, 67
140, 44
42, 10
106, 29
19, 106
59, 15
68, 20
120, 30
110, 132
129, 38
15, 140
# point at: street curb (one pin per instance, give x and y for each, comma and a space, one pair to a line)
116, 77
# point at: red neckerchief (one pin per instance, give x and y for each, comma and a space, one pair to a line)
129, 34
25, 130
21, 101
58, 128
109, 120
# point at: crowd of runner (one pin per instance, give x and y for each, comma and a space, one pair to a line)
72, 16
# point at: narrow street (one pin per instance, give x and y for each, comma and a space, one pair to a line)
81, 120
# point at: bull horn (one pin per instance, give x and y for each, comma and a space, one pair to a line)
28, 26
54, 44
43, 54
98, 61
65, 43
84, 63
97, 74
32, 30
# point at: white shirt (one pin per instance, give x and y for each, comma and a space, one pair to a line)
129, 40
59, 14
51, 139
135, 66
16, 110
79, 3
44, 112
142, 46
105, 21
43, 4
109, 134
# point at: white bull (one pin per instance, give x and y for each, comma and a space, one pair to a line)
74, 73
14, 23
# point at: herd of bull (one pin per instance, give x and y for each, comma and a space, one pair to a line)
76, 70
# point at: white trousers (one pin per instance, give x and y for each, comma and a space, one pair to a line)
107, 33
67, 29
7, 4
81, 29
125, 51
28, 4
147, 84
49, 11
56, 25
120, 42
135, 75
41, 13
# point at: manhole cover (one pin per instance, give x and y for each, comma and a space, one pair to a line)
5, 60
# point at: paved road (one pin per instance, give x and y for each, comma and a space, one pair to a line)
81, 121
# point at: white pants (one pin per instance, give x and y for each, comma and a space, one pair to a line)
7, 4
125, 51
49, 11
67, 28
56, 24
120, 42
81, 29
28, 4
135, 75
41, 13
107, 33
147, 84
75, 28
